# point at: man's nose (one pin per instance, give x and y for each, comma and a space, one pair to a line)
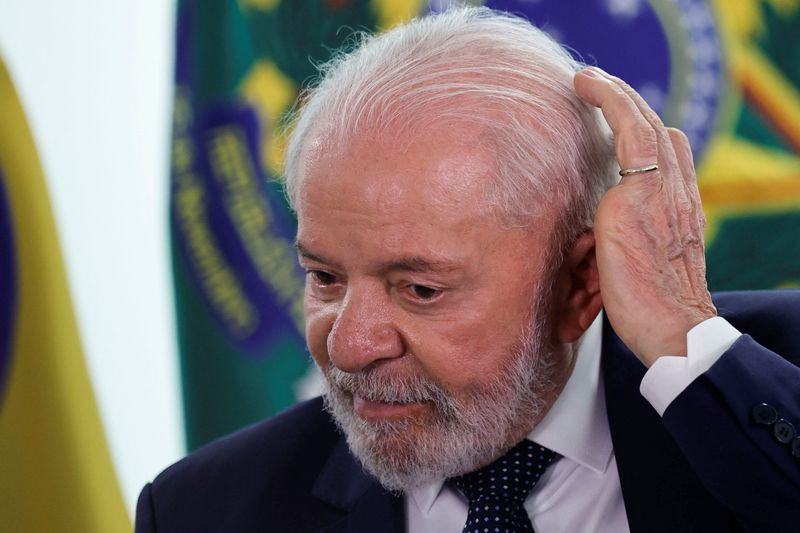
364, 331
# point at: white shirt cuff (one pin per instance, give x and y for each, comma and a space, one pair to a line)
670, 374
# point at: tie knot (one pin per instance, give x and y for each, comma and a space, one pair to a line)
510, 477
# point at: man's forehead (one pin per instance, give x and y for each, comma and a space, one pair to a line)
404, 138
442, 164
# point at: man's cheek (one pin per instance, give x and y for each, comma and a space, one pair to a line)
461, 352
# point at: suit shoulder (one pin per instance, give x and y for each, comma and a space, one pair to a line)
292, 444
780, 305
767, 316
757, 301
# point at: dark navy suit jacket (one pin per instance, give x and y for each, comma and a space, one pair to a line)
707, 466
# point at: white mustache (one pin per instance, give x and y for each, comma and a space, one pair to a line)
377, 387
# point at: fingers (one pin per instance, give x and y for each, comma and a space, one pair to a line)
669, 160
642, 139
683, 153
635, 138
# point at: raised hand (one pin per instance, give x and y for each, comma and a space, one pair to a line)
649, 228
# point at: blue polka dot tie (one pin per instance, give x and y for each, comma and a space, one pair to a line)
497, 492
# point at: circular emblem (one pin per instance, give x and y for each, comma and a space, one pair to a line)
668, 50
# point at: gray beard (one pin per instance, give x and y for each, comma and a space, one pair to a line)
463, 434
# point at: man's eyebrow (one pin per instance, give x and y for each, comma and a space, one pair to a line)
403, 264
308, 254
419, 264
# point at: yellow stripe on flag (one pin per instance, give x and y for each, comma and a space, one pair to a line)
55, 469
770, 92
390, 13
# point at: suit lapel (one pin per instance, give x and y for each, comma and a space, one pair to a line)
365, 504
660, 490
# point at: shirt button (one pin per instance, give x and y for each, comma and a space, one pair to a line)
784, 431
764, 414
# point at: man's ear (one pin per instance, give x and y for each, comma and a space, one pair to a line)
577, 291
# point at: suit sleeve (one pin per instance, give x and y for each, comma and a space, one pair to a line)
145, 517
741, 461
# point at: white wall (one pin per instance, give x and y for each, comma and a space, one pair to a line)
95, 80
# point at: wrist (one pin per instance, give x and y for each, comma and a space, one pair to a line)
671, 339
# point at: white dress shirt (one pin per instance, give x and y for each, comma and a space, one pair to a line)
581, 492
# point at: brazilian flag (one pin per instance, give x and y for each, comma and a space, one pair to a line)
726, 73
750, 175
55, 467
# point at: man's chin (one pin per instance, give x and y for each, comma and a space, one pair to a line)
388, 440
393, 457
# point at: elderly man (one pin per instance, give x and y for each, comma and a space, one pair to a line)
461, 230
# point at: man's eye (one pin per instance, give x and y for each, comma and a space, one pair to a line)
322, 277
422, 292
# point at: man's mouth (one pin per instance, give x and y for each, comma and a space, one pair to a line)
384, 410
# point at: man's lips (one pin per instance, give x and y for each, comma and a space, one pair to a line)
369, 409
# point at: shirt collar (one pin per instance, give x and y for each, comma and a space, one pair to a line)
576, 427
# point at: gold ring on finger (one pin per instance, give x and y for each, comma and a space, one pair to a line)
639, 170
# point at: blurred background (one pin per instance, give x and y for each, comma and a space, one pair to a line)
150, 300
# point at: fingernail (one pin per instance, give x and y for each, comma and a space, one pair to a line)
591, 72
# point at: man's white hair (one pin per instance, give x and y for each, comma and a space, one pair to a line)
479, 67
